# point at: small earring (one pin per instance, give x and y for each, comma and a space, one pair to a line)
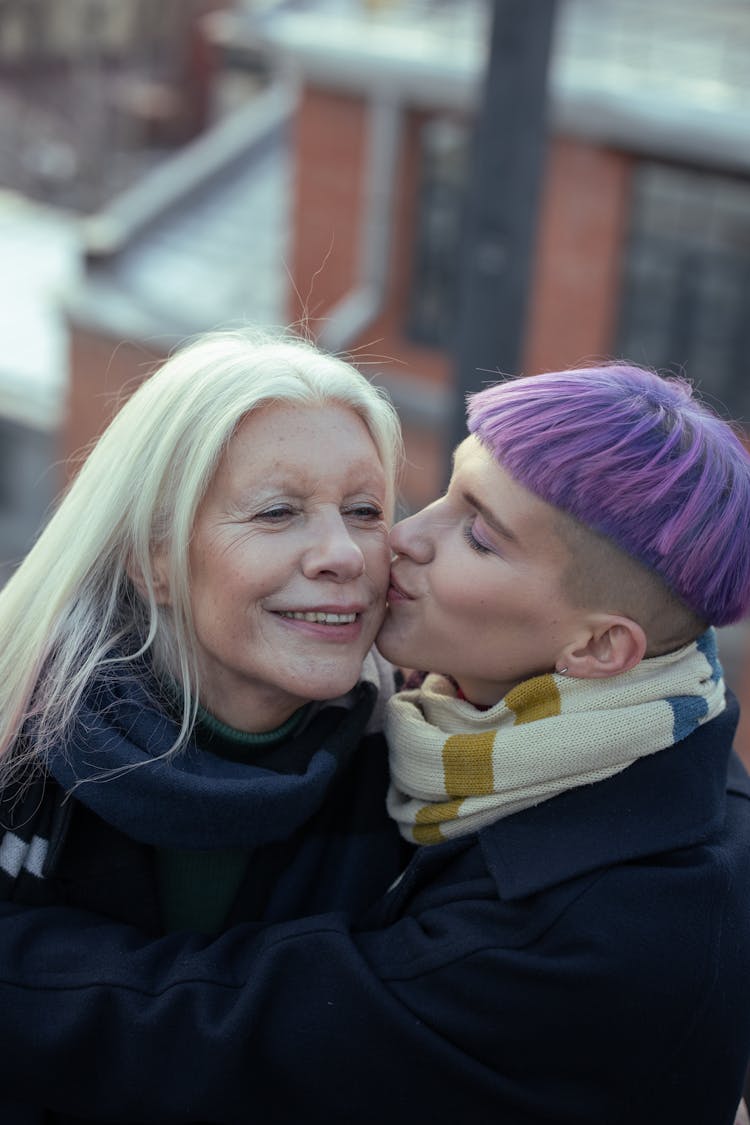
562, 671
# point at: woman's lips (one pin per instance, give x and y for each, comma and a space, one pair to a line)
396, 593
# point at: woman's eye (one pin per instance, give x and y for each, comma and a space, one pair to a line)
275, 515
367, 512
474, 543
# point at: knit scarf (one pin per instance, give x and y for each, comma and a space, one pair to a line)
455, 769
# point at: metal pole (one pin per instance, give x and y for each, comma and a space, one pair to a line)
505, 172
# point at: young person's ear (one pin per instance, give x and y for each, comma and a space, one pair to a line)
158, 577
613, 645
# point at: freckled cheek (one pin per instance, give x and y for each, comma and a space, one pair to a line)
222, 592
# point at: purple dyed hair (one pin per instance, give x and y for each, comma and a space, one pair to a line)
636, 457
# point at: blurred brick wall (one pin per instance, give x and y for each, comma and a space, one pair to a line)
328, 144
330, 139
583, 223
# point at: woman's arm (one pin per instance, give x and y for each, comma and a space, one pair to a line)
564, 1009
293, 1024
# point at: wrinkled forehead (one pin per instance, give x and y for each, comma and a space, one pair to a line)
296, 446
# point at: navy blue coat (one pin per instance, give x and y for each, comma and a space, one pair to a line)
585, 962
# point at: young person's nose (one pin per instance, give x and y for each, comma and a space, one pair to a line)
411, 537
332, 551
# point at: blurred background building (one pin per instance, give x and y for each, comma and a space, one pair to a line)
168, 168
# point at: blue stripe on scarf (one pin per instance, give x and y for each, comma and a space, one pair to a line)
688, 711
706, 644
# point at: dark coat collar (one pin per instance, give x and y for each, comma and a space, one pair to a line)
671, 799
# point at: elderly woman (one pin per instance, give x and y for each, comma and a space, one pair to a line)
189, 707
569, 943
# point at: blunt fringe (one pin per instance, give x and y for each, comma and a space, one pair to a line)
638, 458
82, 605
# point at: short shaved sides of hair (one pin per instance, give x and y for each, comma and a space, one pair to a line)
601, 577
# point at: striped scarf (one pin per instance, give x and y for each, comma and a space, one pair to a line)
455, 769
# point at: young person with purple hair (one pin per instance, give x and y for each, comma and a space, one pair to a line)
570, 943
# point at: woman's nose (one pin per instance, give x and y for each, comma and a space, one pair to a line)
333, 551
411, 537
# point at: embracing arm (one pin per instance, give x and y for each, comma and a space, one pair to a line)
571, 1011
173, 1031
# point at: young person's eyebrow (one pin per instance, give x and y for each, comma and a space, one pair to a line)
490, 518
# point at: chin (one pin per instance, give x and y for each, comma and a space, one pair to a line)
331, 687
395, 648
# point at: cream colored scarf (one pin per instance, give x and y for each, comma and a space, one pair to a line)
455, 769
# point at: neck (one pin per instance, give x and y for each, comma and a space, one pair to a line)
249, 712
461, 694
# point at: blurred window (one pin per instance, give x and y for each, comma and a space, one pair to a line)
686, 284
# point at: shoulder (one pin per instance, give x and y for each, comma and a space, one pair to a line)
632, 962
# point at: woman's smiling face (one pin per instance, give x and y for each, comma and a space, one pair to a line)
289, 563
477, 585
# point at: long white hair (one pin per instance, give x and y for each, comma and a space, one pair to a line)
82, 604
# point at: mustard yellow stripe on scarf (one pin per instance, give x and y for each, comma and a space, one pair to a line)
455, 769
